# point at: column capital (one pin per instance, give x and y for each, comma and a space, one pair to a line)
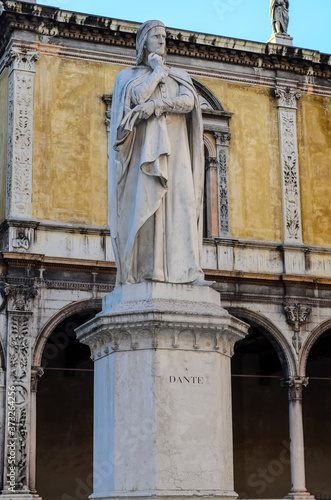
294, 386
19, 297
286, 97
22, 59
222, 138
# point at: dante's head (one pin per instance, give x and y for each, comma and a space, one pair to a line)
151, 37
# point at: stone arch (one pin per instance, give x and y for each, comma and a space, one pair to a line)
273, 334
207, 98
54, 321
314, 335
209, 146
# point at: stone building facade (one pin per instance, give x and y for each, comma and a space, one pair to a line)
267, 135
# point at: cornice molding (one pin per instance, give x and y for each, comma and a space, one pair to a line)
61, 24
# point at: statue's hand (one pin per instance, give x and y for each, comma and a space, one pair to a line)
144, 110
157, 64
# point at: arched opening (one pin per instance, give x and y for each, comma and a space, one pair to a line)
65, 414
317, 418
260, 416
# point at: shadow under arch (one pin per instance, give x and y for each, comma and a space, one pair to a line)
273, 334
314, 335
55, 320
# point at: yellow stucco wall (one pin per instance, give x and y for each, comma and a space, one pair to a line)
254, 178
3, 141
70, 140
314, 143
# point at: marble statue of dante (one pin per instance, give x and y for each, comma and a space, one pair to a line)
156, 168
279, 15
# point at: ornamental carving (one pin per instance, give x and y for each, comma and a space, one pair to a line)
222, 143
297, 315
20, 132
289, 163
224, 216
107, 99
287, 97
20, 296
19, 347
22, 59
294, 386
18, 384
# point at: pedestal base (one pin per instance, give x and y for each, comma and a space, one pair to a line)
168, 495
19, 496
281, 39
162, 404
299, 494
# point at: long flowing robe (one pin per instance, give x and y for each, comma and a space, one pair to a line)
156, 181
279, 14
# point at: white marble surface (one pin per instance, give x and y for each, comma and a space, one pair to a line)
163, 423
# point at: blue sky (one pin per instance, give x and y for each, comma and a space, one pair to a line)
247, 19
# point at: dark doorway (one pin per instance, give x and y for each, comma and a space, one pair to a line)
317, 418
65, 415
260, 419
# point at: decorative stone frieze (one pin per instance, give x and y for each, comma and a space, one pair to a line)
18, 380
297, 315
222, 146
21, 64
286, 103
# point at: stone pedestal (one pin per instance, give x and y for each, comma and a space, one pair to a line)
281, 39
162, 409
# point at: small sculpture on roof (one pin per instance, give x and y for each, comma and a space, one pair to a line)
279, 15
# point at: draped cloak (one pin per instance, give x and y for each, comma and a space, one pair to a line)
128, 213
279, 13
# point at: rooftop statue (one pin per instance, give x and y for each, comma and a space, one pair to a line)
156, 168
279, 15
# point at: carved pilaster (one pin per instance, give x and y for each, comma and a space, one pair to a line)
18, 388
21, 63
294, 386
107, 99
222, 147
286, 103
297, 315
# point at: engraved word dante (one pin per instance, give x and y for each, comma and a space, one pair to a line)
185, 380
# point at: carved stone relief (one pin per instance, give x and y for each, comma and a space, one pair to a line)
20, 132
297, 315
222, 145
286, 102
18, 386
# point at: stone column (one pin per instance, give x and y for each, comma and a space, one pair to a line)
17, 395
36, 374
222, 150
294, 386
211, 198
163, 423
289, 161
21, 72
